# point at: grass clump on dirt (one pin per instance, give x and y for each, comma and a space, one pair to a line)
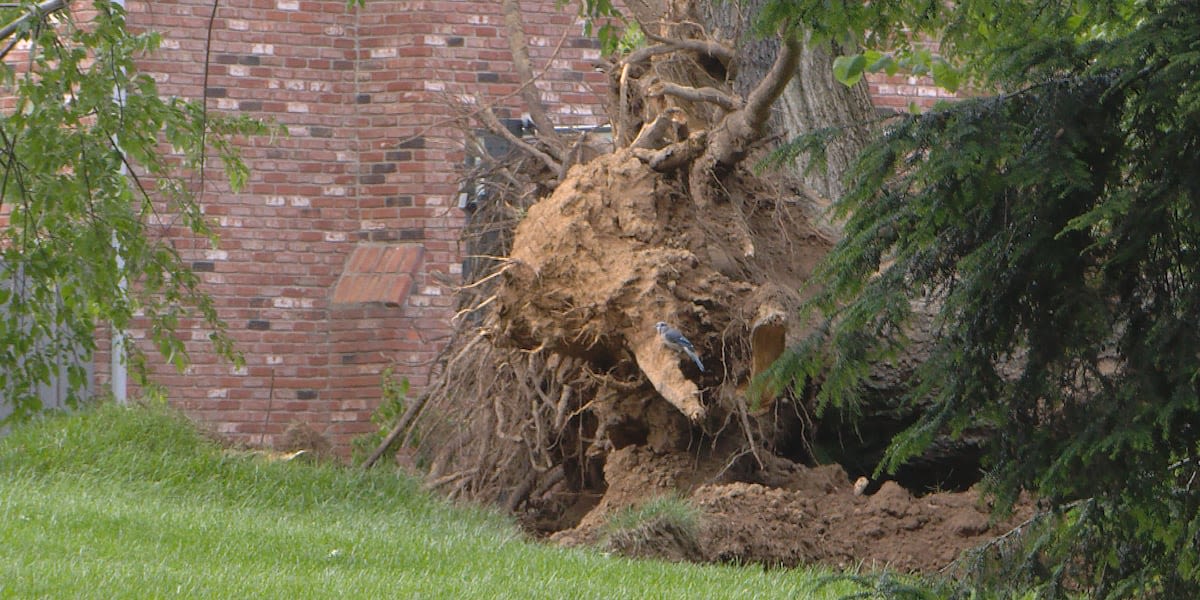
664, 527
136, 502
678, 511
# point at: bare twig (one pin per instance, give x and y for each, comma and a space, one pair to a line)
1037, 516
730, 139
743, 414
529, 92
499, 99
262, 437
439, 482
405, 420
521, 492
489, 119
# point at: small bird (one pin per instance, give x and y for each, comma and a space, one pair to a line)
677, 342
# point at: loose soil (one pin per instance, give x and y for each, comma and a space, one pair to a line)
796, 515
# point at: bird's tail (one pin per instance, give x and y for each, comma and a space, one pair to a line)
695, 358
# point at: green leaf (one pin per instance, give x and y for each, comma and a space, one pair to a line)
878, 61
848, 70
945, 75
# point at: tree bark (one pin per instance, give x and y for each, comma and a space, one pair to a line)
813, 99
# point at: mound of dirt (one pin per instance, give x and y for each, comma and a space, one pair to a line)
797, 516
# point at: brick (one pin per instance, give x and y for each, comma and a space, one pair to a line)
413, 143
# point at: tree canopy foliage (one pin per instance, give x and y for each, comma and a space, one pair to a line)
1053, 222
92, 174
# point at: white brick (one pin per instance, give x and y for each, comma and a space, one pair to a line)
286, 302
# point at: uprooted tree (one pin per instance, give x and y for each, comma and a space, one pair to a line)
556, 376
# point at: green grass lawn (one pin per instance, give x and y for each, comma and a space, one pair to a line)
136, 503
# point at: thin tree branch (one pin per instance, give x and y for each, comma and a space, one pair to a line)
401, 425
212, 18
493, 123
710, 95
529, 93
708, 48
39, 11
486, 107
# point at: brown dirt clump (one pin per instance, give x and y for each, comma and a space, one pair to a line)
781, 526
793, 515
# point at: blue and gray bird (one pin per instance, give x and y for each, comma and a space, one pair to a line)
677, 342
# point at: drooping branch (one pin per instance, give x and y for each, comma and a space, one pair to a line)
529, 90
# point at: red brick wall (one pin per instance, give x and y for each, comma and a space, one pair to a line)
370, 158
